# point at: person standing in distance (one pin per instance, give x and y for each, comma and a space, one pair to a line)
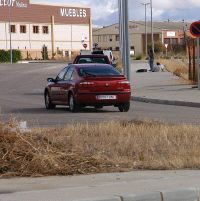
151, 59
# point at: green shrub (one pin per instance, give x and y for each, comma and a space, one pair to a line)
5, 56
17, 56
45, 53
138, 57
158, 47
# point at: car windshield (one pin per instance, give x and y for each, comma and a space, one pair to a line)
98, 71
101, 60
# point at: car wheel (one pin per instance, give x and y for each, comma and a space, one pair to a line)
48, 104
124, 107
73, 107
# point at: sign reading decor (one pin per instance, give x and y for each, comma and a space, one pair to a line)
171, 34
13, 3
69, 12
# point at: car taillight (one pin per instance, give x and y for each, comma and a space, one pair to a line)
124, 85
124, 82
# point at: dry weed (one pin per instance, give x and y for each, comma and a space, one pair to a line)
104, 147
177, 67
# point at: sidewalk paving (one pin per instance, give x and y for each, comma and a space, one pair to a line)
92, 187
162, 87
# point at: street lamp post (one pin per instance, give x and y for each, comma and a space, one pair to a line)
124, 36
145, 5
152, 39
11, 56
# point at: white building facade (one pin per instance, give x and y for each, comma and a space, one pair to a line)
62, 29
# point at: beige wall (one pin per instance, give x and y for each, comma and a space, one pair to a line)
136, 32
135, 40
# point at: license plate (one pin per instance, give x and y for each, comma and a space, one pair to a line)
107, 97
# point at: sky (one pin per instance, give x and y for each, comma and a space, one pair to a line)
105, 12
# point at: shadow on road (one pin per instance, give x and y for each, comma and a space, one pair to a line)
60, 110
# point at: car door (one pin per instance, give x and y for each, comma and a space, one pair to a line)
65, 85
55, 88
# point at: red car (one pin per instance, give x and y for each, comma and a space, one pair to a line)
81, 85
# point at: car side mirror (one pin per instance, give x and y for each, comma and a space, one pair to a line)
51, 80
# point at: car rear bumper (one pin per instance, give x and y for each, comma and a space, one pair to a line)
91, 99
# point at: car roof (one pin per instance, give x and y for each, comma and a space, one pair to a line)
91, 65
92, 55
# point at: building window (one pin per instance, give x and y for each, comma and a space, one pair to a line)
174, 41
13, 28
22, 29
99, 38
117, 48
182, 41
35, 29
105, 38
117, 37
132, 48
45, 29
110, 38
110, 48
167, 41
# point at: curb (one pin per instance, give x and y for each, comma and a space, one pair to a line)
166, 102
42, 62
190, 194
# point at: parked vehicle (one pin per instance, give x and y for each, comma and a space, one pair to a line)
85, 52
81, 85
81, 59
107, 53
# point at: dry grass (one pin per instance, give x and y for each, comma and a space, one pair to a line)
104, 147
177, 67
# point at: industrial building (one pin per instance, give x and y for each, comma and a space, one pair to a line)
62, 29
170, 33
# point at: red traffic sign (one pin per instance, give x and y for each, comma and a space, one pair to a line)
195, 29
85, 45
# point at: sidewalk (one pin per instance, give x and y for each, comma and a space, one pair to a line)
145, 185
162, 88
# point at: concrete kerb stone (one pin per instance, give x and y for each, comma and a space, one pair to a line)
156, 196
114, 198
166, 102
190, 194
181, 195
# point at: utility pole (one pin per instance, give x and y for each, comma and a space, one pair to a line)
11, 56
124, 36
198, 64
152, 38
146, 39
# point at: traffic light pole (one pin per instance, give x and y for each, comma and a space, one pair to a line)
124, 37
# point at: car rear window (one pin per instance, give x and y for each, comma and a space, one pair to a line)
92, 60
98, 71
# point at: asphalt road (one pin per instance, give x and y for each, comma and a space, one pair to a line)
21, 96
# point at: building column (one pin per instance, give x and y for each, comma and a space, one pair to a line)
90, 27
6, 35
52, 35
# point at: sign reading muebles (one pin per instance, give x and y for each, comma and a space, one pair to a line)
69, 12
13, 3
